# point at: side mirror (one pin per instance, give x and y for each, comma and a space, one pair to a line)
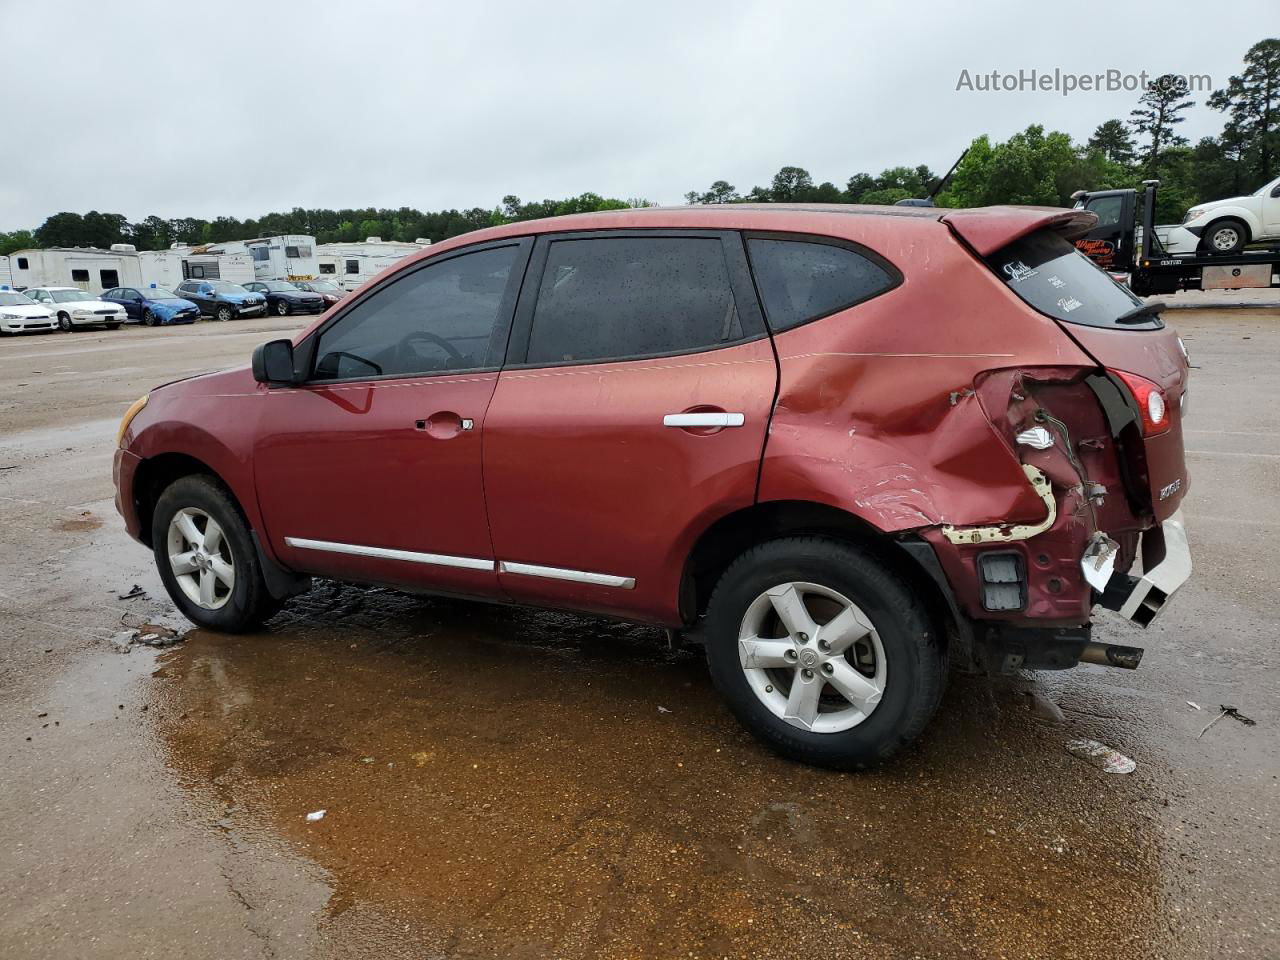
273, 363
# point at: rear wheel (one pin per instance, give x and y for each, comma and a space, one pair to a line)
822, 653
224, 313
1225, 237
206, 557
64, 322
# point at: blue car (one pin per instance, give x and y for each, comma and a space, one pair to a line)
153, 305
222, 299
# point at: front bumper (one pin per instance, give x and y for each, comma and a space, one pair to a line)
1181, 239
24, 324
123, 467
1166, 565
251, 309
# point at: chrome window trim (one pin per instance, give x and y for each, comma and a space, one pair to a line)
385, 553
560, 573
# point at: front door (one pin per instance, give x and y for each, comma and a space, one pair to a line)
371, 469
632, 414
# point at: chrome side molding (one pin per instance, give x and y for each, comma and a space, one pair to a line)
704, 420
384, 553
560, 573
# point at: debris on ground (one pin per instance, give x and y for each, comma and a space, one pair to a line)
147, 635
1227, 711
663, 710
421, 758
1043, 708
1101, 756
316, 815
1193, 705
134, 592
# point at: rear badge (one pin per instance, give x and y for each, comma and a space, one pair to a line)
1169, 490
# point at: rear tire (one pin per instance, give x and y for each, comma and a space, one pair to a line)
206, 557
1225, 238
895, 670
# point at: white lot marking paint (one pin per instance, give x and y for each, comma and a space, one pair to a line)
1227, 453
1233, 433
132, 344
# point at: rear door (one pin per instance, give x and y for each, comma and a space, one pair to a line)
631, 414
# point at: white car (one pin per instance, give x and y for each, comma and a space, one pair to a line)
1227, 226
75, 308
20, 314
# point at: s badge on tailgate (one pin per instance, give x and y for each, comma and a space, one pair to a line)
1168, 490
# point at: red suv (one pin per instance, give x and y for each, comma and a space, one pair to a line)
835, 443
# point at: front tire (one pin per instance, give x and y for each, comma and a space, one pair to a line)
224, 313
1226, 237
206, 557
64, 322
149, 319
282, 308
822, 652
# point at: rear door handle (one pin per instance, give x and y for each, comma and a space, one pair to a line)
704, 420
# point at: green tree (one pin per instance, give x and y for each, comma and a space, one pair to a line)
791, 184
1159, 110
722, 191
16, 240
1113, 140
1030, 167
1252, 101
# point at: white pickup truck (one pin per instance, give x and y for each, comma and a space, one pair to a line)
1227, 226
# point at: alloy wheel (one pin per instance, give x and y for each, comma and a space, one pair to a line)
200, 558
812, 657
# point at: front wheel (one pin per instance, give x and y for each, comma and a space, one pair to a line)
823, 653
1226, 237
149, 319
224, 313
282, 308
64, 322
206, 557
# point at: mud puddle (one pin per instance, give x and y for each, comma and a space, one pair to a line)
502, 783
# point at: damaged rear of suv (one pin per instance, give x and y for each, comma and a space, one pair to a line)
839, 445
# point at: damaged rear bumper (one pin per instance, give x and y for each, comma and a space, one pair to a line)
1166, 565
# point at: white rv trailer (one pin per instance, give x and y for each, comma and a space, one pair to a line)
6, 278
88, 268
168, 268
288, 257
351, 264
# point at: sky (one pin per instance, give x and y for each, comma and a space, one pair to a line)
234, 108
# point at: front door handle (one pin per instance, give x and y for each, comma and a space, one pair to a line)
444, 424
716, 419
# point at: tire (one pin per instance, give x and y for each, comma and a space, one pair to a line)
1225, 237
149, 319
235, 607
64, 322
282, 308
224, 313
901, 662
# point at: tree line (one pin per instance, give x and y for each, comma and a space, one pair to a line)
1033, 166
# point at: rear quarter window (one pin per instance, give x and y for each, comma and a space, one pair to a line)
1052, 276
802, 280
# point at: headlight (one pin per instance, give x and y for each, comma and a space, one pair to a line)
129, 414
1192, 214
81, 312
9, 316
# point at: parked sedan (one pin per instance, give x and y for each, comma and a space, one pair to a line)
222, 299
284, 298
21, 314
153, 305
76, 308
327, 289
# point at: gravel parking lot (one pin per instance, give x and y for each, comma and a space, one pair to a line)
506, 783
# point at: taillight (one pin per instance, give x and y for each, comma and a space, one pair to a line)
1150, 400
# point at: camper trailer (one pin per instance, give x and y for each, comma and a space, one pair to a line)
88, 268
351, 264
168, 268
289, 257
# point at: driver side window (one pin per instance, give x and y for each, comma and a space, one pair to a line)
437, 319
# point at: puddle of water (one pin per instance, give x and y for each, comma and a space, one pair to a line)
503, 782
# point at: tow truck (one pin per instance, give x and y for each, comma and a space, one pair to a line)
1120, 245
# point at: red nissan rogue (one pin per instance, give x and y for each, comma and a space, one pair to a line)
836, 444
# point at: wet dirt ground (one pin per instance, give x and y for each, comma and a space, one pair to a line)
506, 783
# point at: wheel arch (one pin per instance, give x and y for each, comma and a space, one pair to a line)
731, 535
1242, 217
154, 474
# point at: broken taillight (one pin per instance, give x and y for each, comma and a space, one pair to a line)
1150, 400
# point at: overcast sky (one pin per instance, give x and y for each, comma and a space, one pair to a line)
223, 107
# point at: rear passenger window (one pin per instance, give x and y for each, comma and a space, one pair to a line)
611, 298
801, 280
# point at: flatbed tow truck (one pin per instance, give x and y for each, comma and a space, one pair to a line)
1120, 245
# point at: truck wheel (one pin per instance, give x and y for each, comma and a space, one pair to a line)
206, 557
64, 322
1225, 237
822, 653
224, 313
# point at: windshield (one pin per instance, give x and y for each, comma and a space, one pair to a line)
70, 296
279, 286
159, 293
322, 286
1266, 188
226, 286
10, 298
1055, 278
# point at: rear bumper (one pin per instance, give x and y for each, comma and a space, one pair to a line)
1166, 565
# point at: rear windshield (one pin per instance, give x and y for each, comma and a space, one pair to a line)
1051, 275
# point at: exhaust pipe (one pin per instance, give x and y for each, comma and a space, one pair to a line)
1112, 655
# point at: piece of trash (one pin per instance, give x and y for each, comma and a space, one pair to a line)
366, 759
134, 592
422, 757
1227, 711
1193, 705
1044, 708
315, 815
122, 642
1101, 756
663, 710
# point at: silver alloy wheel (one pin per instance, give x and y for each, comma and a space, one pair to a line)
282, 308
224, 314
200, 558
812, 657
1224, 238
